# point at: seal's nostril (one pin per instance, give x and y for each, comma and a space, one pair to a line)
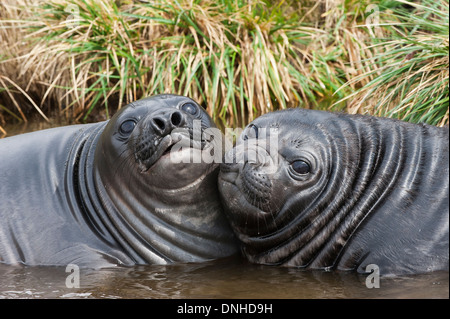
165, 122
159, 123
176, 118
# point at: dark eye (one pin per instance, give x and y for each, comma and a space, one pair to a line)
127, 126
300, 167
251, 132
190, 108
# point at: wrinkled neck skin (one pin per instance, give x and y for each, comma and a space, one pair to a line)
372, 180
169, 213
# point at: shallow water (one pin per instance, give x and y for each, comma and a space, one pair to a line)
226, 279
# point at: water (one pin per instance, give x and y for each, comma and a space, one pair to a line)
231, 278
224, 279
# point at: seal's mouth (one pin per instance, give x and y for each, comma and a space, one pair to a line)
248, 183
229, 172
168, 150
150, 149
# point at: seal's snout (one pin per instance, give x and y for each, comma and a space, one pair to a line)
164, 122
155, 138
257, 187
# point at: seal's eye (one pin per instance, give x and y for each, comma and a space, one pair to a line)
127, 126
190, 108
300, 167
251, 132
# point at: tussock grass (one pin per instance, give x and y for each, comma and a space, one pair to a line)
223, 54
238, 58
409, 77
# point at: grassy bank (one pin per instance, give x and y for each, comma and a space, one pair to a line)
239, 59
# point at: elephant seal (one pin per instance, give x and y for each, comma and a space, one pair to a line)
340, 192
111, 193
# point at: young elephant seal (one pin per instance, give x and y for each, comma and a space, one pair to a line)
340, 192
114, 193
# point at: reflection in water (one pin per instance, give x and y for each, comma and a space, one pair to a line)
219, 279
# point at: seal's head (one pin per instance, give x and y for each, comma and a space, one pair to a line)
141, 138
273, 170
156, 187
